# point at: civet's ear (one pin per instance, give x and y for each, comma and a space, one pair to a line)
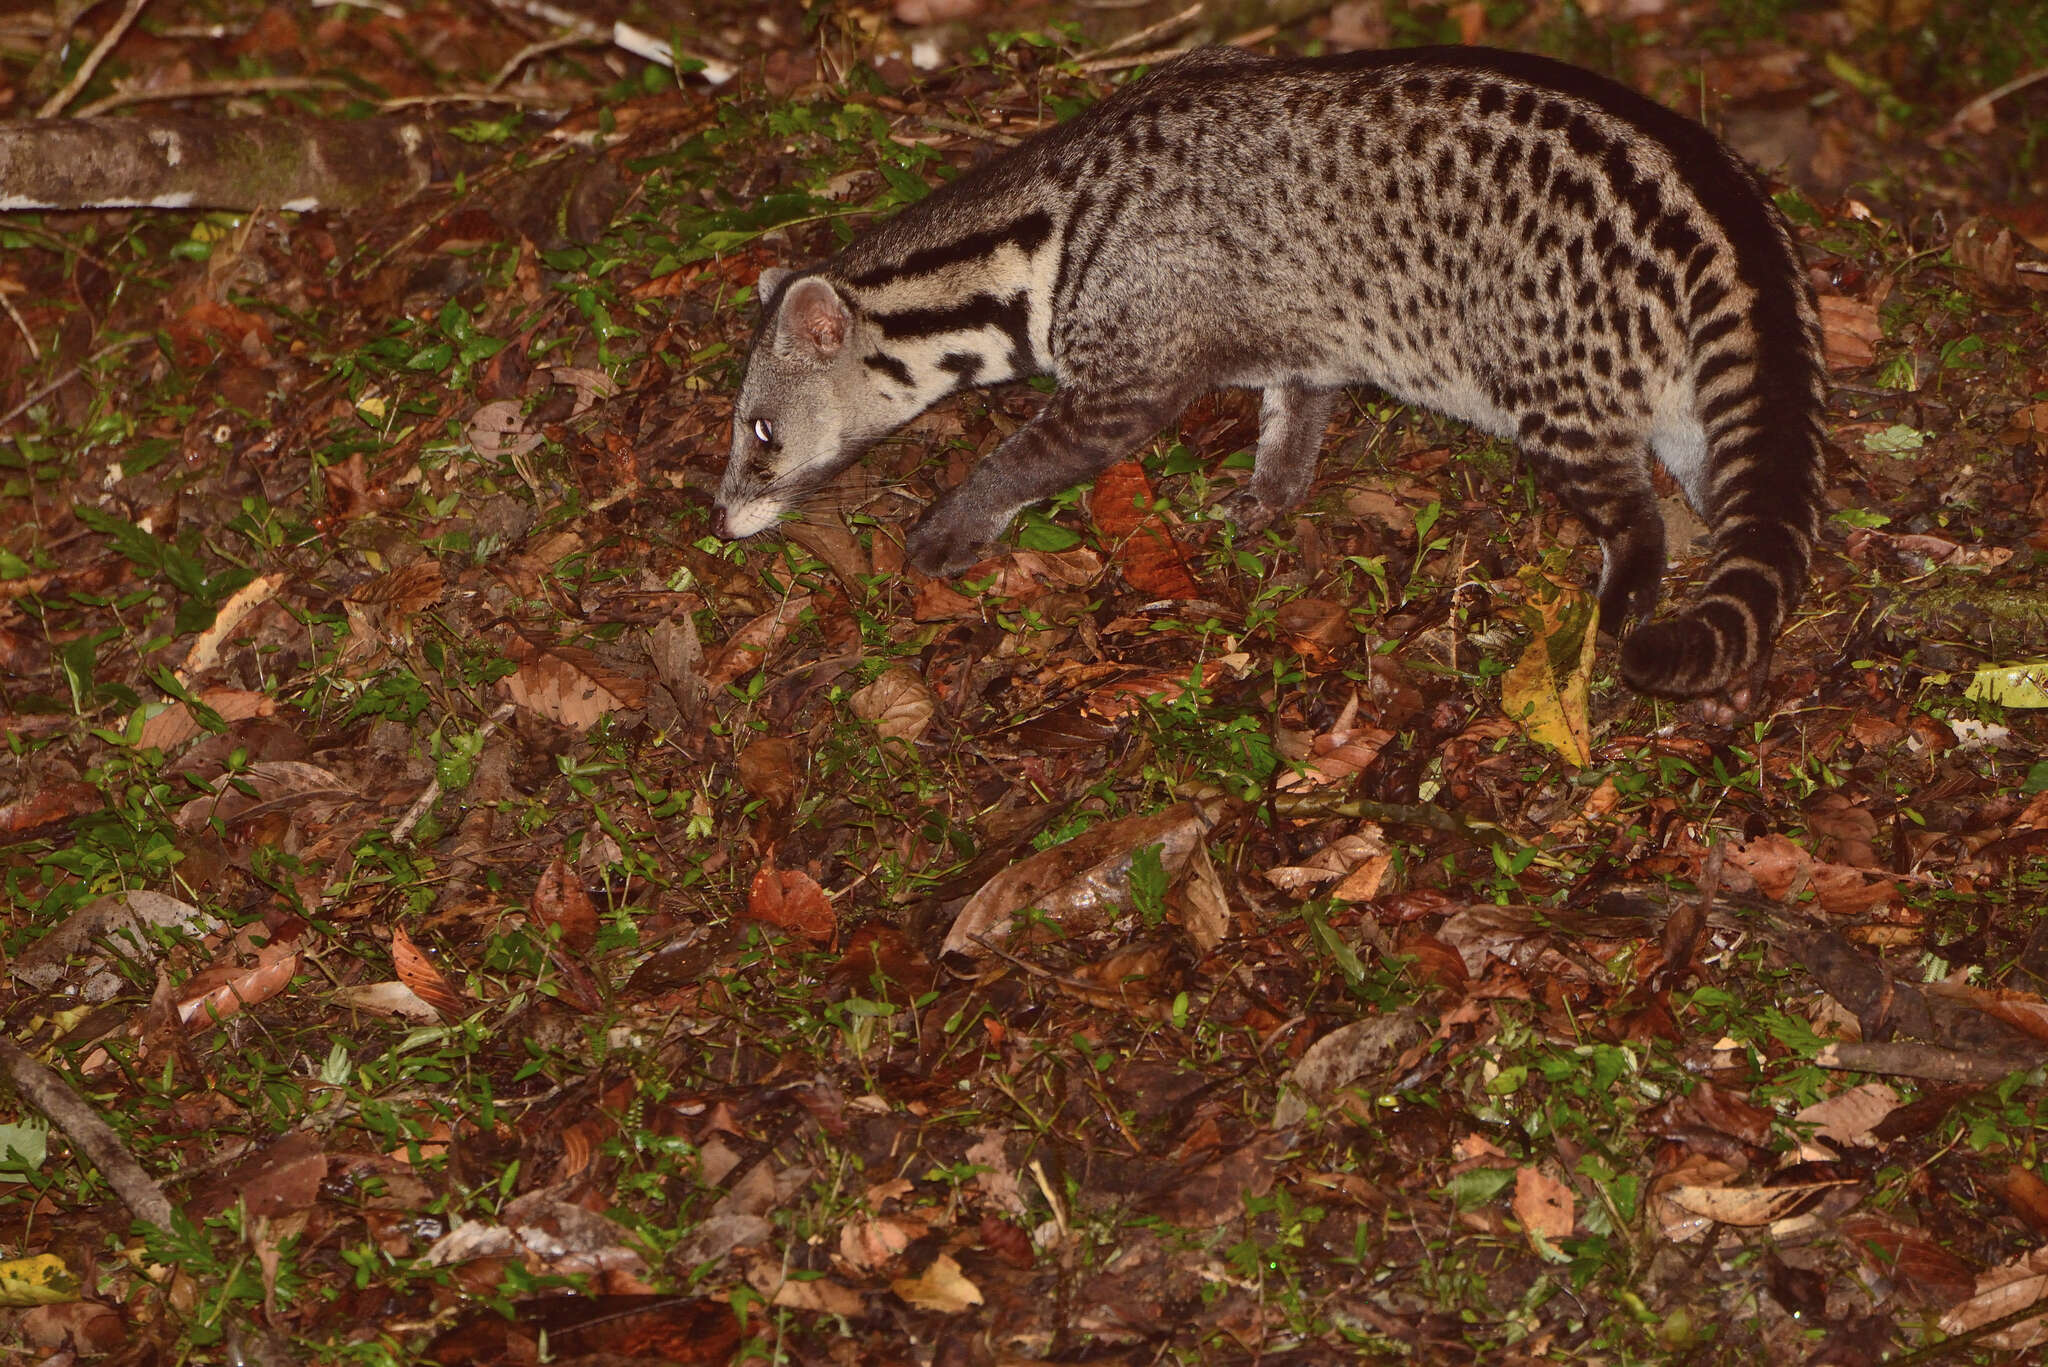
770, 281
813, 321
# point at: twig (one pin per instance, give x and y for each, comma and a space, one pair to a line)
56, 42
1246, 39
1172, 22
402, 831
204, 90
95, 1139
1982, 104
530, 98
45, 391
7, 301
531, 51
637, 41
972, 130
56, 103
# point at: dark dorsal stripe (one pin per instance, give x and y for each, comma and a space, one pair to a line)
1027, 233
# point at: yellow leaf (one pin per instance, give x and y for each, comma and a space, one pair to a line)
1545, 692
943, 1287
2011, 685
41, 1280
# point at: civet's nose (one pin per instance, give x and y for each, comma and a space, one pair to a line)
720, 528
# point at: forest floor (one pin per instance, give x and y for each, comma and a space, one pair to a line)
459, 911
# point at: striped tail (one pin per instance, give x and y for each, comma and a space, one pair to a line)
1762, 413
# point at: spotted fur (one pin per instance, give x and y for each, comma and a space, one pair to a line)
1517, 243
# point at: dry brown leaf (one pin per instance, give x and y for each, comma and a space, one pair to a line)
1923, 1272
868, 1245
175, 724
2027, 1194
936, 600
1319, 628
899, 703
823, 1295
1334, 861
1341, 1057
85, 1327
125, 920
833, 542
748, 648
500, 429
1986, 247
2015, 1287
1847, 1118
387, 998
1848, 829
1850, 330
1779, 869
570, 686
401, 594
1080, 884
278, 1178
1152, 560
227, 620
1543, 1204
1203, 905
1338, 756
259, 789
917, 12
559, 900
590, 385
2024, 1011
1744, 1207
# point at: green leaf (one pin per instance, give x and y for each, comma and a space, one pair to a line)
909, 187
435, 357
1040, 535
1895, 440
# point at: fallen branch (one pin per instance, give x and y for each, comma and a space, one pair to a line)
94, 1139
180, 162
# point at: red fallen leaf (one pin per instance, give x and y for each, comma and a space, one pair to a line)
1150, 557
1435, 961
559, 900
1923, 1271
48, 805
2027, 1194
881, 959
1007, 1242
575, 986
244, 975
427, 982
791, 899
194, 331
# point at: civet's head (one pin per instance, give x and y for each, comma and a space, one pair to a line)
808, 407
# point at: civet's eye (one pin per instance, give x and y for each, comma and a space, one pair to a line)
764, 431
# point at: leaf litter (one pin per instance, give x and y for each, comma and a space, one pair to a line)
535, 923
